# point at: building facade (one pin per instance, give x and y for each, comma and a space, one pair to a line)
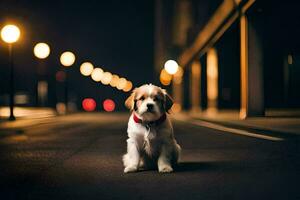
235, 54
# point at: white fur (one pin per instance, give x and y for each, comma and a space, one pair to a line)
147, 146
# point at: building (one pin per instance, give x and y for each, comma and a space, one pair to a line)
236, 54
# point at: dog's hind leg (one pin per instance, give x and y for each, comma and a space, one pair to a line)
164, 160
176, 154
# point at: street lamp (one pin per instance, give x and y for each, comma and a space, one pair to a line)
97, 74
67, 59
41, 51
10, 34
121, 83
107, 76
86, 68
114, 80
128, 86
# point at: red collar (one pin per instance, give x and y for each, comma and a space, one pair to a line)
156, 122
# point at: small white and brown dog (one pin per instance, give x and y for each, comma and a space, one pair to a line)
151, 141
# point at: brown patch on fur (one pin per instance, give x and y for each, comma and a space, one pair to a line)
143, 92
129, 103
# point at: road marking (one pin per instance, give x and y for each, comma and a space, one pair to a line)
231, 130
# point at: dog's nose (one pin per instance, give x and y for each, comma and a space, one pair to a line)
150, 106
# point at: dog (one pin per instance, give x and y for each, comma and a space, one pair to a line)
151, 142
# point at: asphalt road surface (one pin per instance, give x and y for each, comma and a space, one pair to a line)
79, 157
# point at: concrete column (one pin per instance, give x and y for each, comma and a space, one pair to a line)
252, 93
177, 90
212, 80
159, 36
195, 86
182, 22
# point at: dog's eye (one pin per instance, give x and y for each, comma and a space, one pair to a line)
157, 98
142, 98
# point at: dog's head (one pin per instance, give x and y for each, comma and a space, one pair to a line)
150, 102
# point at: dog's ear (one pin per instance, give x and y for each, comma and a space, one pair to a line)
168, 101
129, 103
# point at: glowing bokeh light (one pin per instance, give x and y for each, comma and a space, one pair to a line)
106, 78
41, 50
165, 82
121, 83
171, 66
10, 33
165, 78
165, 75
67, 58
89, 104
128, 86
114, 80
60, 76
97, 74
179, 72
61, 108
177, 78
109, 105
86, 68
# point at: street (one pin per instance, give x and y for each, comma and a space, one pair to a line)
78, 156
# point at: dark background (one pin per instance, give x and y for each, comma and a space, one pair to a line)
114, 35
118, 36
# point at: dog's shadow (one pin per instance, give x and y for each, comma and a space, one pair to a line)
193, 166
183, 167
210, 166
196, 166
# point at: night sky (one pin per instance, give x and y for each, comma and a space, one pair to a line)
114, 35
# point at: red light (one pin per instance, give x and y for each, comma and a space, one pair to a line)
89, 104
60, 76
109, 105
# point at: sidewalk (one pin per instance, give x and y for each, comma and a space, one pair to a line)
283, 121
25, 116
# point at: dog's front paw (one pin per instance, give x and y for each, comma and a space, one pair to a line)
165, 169
130, 169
